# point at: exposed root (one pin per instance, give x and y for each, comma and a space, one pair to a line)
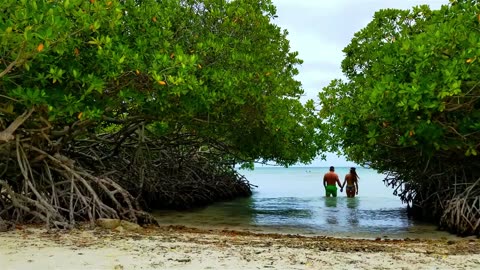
462, 212
448, 195
60, 178
161, 175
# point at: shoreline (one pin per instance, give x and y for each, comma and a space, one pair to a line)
420, 235
179, 247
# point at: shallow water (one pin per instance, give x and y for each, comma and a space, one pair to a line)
293, 201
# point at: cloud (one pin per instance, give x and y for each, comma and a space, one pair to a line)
319, 30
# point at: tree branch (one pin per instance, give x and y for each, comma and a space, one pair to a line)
7, 134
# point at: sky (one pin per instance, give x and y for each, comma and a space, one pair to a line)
320, 29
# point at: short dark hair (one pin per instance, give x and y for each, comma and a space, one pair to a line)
332, 168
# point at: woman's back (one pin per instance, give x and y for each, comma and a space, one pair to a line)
351, 179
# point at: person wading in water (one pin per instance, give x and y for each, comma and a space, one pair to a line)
351, 180
330, 180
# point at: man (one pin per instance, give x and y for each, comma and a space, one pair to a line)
330, 180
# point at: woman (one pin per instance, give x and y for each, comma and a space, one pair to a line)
351, 181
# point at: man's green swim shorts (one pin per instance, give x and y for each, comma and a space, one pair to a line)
331, 190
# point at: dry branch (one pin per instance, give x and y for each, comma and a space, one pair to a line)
7, 134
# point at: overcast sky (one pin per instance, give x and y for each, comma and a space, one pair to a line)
320, 29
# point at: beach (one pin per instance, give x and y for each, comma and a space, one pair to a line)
179, 247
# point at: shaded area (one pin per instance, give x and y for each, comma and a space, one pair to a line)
118, 176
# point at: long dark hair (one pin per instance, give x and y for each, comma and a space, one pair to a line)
353, 172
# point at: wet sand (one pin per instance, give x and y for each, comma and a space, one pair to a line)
177, 247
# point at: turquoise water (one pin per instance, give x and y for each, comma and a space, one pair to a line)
292, 200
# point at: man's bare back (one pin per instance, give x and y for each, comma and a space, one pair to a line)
331, 178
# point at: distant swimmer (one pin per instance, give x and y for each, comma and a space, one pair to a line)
330, 179
351, 179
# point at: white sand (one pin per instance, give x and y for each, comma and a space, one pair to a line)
184, 249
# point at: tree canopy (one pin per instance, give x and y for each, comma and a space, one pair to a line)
105, 102
218, 68
409, 106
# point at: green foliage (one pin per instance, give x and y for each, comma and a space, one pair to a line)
412, 87
218, 69
410, 108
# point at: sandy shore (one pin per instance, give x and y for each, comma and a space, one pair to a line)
184, 248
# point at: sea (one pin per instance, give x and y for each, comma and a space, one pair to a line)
292, 201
